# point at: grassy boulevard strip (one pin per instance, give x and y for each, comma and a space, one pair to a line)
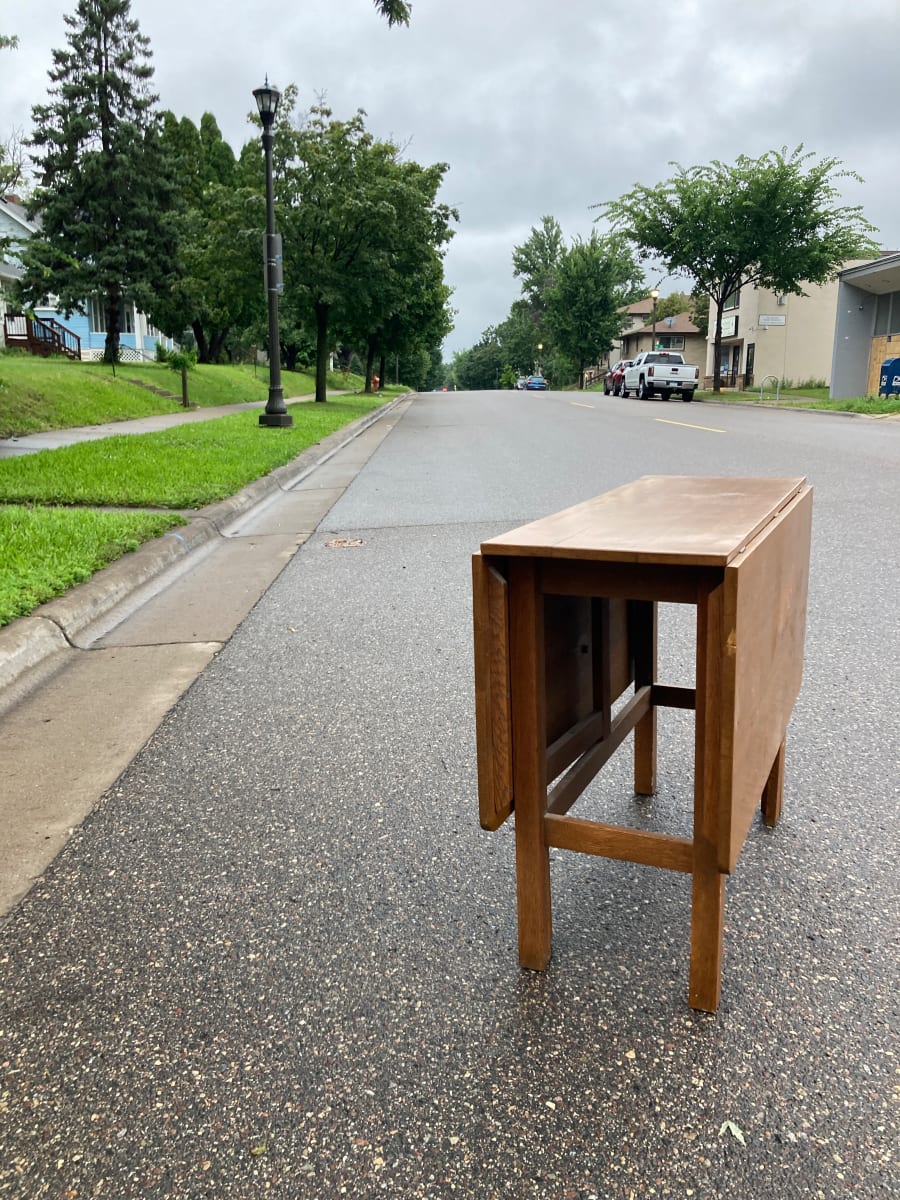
66, 513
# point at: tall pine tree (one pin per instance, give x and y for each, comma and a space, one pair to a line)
104, 184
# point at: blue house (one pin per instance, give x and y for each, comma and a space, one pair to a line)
81, 335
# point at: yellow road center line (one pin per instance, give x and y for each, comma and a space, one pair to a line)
685, 425
578, 404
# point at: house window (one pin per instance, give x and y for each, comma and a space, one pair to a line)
97, 315
670, 341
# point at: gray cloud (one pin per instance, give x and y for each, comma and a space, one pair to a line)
539, 106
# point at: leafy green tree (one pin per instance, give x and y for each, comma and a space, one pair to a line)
397, 11
699, 311
214, 288
362, 236
508, 377
402, 306
774, 221
594, 279
480, 367
519, 335
537, 260
673, 304
105, 190
437, 369
413, 369
330, 197
536, 263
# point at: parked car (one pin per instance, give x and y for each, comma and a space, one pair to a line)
535, 383
612, 380
660, 372
520, 383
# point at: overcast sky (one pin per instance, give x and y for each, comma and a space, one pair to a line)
539, 106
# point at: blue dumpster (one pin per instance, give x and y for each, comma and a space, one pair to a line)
890, 378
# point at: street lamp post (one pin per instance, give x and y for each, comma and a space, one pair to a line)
654, 296
276, 413
537, 365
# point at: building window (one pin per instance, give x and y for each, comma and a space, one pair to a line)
97, 315
733, 299
670, 341
894, 318
882, 310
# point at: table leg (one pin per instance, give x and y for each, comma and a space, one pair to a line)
529, 728
708, 891
707, 932
644, 640
773, 792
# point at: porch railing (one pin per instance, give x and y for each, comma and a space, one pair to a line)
41, 335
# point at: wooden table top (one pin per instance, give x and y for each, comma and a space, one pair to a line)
677, 519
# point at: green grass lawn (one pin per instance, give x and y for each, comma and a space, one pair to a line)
181, 468
51, 534
45, 551
41, 393
809, 398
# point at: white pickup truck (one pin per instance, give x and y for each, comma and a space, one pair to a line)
660, 372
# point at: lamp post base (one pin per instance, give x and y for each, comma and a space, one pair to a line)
283, 419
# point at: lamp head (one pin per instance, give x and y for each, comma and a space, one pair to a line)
267, 98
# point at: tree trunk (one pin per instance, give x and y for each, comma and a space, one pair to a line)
215, 346
322, 311
290, 356
717, 348
200, 339
371, 346
111, 348
382, 372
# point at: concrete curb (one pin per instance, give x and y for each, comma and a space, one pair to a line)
29, 643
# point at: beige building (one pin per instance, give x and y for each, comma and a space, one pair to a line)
778, 337
837, 334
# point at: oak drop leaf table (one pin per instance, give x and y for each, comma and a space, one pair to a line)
565, 622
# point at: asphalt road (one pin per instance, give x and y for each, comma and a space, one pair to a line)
279, 958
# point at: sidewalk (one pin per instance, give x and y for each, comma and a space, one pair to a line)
52, 439
27, 643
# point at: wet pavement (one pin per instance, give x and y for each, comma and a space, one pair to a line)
279, 957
